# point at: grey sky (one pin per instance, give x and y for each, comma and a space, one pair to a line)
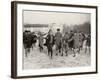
35, 17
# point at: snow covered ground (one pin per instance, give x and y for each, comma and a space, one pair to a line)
40, 60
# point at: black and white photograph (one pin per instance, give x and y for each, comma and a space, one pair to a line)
56, 39
53, 39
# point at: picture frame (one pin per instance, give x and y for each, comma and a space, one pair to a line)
22, 12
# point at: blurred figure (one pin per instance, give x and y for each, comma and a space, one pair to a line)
88, 43
58, 39
65, 46
34, 39
49, 43
41, 41
77, 42
82, 38
27, 41
71, 42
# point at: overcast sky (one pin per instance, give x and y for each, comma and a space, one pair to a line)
35, 17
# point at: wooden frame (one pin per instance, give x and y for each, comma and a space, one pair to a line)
14, 37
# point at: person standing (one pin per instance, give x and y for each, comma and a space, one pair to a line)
58, 39
77, 42
41, 41
50, 43
88, 43
71, 42
82, 38
65, 43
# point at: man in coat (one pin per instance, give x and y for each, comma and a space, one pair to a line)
58, 40
49, 43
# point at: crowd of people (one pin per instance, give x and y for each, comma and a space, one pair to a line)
63, 42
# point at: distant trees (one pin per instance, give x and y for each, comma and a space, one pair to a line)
85, 27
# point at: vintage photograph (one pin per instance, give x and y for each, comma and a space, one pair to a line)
56, 39
53, 39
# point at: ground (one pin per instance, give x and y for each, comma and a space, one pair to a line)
40, 60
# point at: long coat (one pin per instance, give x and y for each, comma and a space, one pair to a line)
58, 38
49, 42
